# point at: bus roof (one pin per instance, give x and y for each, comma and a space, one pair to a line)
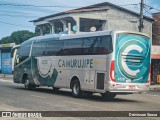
78, 35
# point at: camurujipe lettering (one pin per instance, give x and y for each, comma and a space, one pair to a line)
76, 63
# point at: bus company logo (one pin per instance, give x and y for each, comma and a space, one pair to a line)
126, 51
45, 66
129, 55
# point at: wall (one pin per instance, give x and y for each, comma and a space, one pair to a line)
117, 19
156, 29
122, 20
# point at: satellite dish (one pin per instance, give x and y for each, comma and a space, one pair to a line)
93, 29
75, 28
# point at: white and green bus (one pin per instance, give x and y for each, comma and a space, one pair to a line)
105, 62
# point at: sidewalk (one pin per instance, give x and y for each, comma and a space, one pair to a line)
155, 87
6, 76
10, 77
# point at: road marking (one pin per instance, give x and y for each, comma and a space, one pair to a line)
9, 91
156, 95
2, 80
37, 96
153, 95
86, 105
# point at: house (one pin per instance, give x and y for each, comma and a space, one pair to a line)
102, 16
155, 66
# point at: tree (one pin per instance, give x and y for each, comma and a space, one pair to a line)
18, 37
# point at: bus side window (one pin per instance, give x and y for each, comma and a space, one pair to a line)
87, 42
39, 49
104, 45
73, 47
97, 45
54, 48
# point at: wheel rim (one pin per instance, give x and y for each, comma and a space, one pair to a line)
26, 83
76, 88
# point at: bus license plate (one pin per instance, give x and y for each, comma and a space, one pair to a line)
132, 87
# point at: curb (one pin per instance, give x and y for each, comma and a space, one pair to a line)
157, 89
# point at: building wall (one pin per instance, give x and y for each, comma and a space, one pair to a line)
122, 20
156, 49
156, 29
0, 61
118, 20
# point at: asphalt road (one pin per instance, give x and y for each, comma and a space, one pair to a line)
13, 97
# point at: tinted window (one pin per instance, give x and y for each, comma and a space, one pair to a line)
73, 47
89, 45
38, 49
25, 50
54, 48
107, 44
97, 45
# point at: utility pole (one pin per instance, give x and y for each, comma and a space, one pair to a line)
141, 26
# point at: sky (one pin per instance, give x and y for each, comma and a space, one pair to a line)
14, 16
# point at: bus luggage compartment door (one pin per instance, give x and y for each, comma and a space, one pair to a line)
99, 80
88, 80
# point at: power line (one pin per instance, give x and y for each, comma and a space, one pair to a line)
57, 6
27, 5
151, 8
155, 35
7, 11
157, 18
129, 4
23, 16
15, 24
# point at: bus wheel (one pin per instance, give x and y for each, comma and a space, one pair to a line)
108, 95
76, 89
28, 86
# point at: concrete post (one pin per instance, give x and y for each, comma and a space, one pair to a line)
69, 28
52, 26
64, 24
77, 19
105, 25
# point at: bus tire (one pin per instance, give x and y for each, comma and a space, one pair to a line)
28, 86
108, 95
76, 89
